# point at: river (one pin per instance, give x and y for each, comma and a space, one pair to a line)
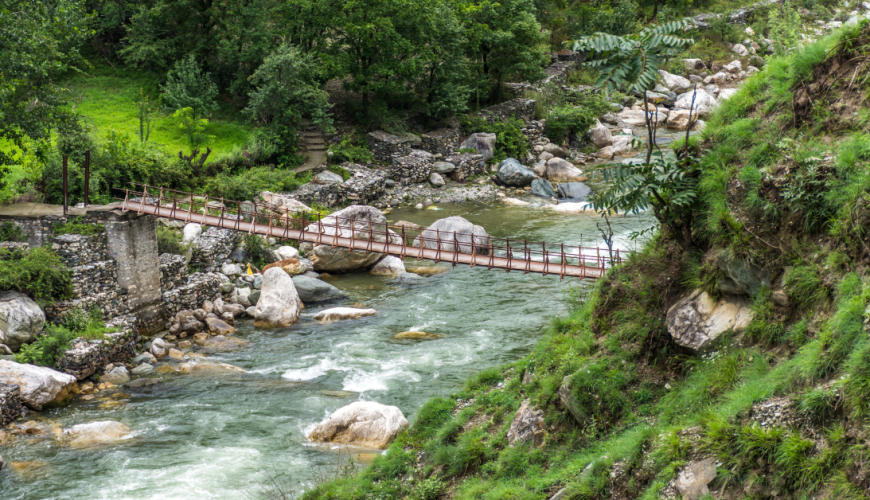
211, 436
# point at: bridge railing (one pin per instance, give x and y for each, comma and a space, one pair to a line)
403, 241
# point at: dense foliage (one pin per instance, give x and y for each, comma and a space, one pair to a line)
56, 339
37, 272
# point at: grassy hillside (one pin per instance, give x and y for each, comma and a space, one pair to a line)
106, 97
785, 188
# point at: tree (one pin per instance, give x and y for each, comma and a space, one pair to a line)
187, 86
39, 40
145, 109
665, 183
193, 127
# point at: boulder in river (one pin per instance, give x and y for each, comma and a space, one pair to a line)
560, 170
464, 232
355, 221
286, 252
704, 103
118, 375
388, 266
96, 433
339, 313
279, 304
218, 326
543, 189
600, 135
363, 423
39, 386
415, 335
315, 290
482, 143
574, 190
21, 319
513, 173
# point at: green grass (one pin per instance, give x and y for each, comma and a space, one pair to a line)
105, 97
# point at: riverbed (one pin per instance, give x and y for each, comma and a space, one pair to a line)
211, 436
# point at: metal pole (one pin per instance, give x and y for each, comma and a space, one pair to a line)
65, 191
87, 176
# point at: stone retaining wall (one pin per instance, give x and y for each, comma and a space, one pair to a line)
444, 141
173, 272
213, 246
467, 165
79, 249
88, 357
113, 303
92, 279
384, 146
10, 403
411, 169
524, 109
363, 188
201, 287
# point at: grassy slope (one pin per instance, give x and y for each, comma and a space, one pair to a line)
107, 99
769, 195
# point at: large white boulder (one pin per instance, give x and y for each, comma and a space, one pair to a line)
389, 266
190, 232
600, 135
279, 305
696, 320
366, 222
363, 423
21, 319
39, 386
457, 229
704, 102
339, 313
286, 252
283, 204
96, 433
560, 170
676, 83
637, 117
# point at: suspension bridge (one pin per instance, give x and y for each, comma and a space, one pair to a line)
364, 235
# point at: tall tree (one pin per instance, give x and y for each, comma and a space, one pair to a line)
39, 40
188, 86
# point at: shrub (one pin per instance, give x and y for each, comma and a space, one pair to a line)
76, 226
258, 249
350, 149
169, 241
566, 120
343, 172
248, 184
37, 272
10, 232
47, 347
510, 141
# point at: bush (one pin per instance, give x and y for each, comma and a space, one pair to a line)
510, 141
10, 232
566, 120
37, 272
351, 149
169, 241
76, 226
47, 347
248, 184
258, 249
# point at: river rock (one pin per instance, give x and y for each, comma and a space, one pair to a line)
543, 189
704, 102
283, 204
254, 297
443, 167
514, 202
696, 320
415, 335
679, 119
314, 290
406, 279
693, 479
118, 375
740, 50
574, 190
21, 319
573, 208
159, 349
237, 309
327, 177
482, 143
96, 433
279, 304
527, 426
206, 368
675, 82
555, 150
560, 170
388, 266
286, 252
512, 173
465, 233
219, 327
142, 358
190, 232
39, 386
143, 369
366, 221
600, 135
436, 180
362, 423
229, 269
339, 313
